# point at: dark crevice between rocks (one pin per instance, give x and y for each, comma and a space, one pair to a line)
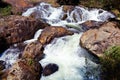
68, 2
3, 45
3, 4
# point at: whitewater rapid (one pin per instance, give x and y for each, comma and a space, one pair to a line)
77, 15
74, 62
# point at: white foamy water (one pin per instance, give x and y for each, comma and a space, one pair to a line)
78, 15
10, 56
71, 59
74, 62
35, 37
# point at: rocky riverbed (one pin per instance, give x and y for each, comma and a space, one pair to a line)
42, 40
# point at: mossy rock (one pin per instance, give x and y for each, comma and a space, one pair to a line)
110, 64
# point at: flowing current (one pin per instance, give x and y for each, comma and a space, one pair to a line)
74, 62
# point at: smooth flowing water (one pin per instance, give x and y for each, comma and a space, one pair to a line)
74, 62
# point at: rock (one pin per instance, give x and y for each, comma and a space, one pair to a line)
14, 29
50, 69
98, 40
49, 33
34, 51
2, 65
91, 24
18, 6
68, 8
25, 70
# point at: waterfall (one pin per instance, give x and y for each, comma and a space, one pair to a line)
73, 61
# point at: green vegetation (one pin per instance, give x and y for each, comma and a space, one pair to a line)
5, 10
110, 64
30, 61
106, 4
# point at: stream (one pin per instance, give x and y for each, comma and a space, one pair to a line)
74, 62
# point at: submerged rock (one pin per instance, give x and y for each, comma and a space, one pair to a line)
98, 40
50, 69
34, 51
14, 29
49, 33
25, 70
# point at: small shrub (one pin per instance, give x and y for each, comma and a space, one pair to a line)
110, 64
5, 11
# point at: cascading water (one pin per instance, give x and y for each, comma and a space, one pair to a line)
78, 15
71, 59
74, 62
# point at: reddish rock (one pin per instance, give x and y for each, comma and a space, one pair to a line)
34, 51
98, 40
18, 6
25, 70
14, 29
49, 33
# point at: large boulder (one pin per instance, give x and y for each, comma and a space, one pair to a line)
98, 40
14, 29
34, 51
49, 33
25, 70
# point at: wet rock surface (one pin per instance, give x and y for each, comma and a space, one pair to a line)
25, 70
49, 33
14, 29
98, 40
50, 69
91, 25
34, 51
